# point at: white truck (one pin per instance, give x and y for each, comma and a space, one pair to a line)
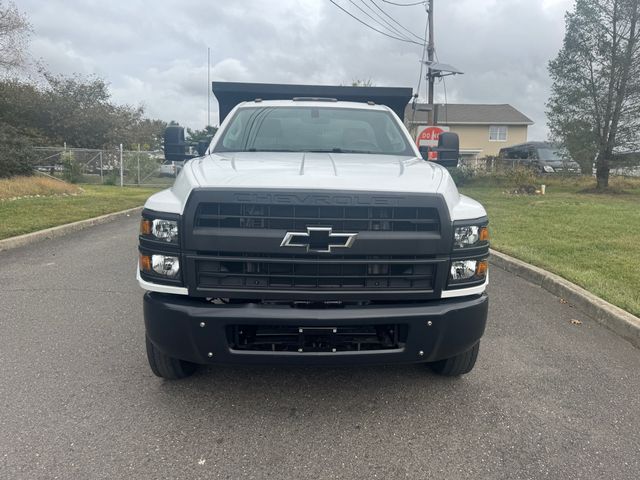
313, 231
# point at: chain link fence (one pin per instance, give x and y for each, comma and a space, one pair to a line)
149, 168
629, 167
107, 167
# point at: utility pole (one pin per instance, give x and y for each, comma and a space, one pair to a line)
430, 51
208, 86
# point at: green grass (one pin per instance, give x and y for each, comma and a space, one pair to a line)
590, 239
27, 215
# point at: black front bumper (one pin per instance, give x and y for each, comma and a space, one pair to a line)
192, 330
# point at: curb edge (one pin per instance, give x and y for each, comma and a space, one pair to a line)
614, 318
61, 230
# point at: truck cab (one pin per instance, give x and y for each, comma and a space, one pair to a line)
313, 231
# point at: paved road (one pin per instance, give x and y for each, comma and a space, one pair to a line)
548, 399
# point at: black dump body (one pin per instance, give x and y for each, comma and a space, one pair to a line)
230, 94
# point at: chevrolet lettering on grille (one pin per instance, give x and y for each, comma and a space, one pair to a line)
319, 239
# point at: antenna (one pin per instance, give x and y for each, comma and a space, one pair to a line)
208, 86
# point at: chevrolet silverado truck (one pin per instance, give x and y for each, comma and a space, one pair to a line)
313, 231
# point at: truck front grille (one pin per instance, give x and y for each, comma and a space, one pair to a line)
316, 273
295, 217
235, 245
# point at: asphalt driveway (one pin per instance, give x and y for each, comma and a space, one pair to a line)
548, 398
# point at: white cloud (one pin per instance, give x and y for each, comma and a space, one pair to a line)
155, 54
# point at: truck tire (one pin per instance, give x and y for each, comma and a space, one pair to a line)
458, 365
165, 366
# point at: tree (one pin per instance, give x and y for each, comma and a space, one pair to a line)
76, 110
362, 83
581, 144
16, 154
194, 136
14, 34
595, 95
147, 133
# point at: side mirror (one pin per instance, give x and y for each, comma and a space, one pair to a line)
203, 145
175, 147
448, 149
446, 153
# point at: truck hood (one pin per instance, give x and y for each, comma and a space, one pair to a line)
314, 171
335, 171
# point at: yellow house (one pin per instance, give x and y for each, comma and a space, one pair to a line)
483, 128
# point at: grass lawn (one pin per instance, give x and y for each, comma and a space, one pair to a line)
590, 239
26, 215
16, 187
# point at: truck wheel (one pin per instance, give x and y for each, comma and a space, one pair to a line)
165, 366
458, 365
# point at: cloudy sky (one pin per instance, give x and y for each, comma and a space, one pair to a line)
155, 53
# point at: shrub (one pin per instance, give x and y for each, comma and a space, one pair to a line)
520, 177
16, 154
72, 169
112, 177
462, 175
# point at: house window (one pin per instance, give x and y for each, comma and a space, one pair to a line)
498, 133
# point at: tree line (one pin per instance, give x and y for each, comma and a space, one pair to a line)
73, 110
45, 109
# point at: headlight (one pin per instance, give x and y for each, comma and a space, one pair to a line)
548, 168
468, 271
160, 229
165, 265
469, 236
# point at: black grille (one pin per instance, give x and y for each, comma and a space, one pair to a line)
233, 245
298, 217
279, 338
335, 274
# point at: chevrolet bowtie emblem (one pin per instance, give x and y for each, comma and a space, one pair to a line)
318, 239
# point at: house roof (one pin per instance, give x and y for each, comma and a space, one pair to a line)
469, 114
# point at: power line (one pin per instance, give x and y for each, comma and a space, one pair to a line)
396, 22
390, 26
424, 50
373, 28
404, 4
392, 30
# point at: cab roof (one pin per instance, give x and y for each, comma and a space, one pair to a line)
230, 94
312, 102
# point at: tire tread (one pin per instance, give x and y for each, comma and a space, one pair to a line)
458, 365
165, 366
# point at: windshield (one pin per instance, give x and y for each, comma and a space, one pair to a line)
549, 154
314, 129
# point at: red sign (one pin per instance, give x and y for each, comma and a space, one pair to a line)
429, 136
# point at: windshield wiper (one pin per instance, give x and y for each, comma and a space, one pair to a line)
322, 150
338, 150
270, 150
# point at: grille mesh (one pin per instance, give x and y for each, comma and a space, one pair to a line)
263, 273
298, 217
